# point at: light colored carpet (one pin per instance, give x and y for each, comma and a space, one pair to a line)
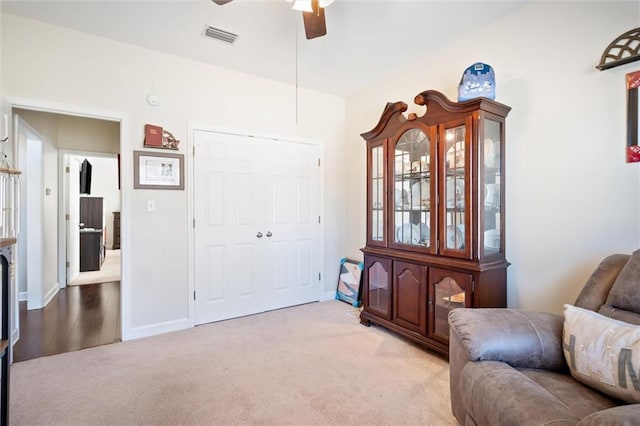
307, 365
109, 272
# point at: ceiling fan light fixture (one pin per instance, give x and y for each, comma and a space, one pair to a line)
305, 5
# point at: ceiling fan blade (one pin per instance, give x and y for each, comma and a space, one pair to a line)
221, 2
314, 23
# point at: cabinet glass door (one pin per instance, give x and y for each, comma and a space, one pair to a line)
378, 286
412, 219
455, 200
491, 188
377, 200
449, 290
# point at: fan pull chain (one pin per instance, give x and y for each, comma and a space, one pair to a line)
296, 29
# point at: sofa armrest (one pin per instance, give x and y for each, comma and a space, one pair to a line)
520, 338
624, 415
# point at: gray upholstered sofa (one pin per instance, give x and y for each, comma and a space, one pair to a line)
507, 366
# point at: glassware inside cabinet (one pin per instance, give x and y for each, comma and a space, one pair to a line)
491, 191
454, 190
377, 193
412, 189
450, 290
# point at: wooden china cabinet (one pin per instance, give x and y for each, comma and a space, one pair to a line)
435, 215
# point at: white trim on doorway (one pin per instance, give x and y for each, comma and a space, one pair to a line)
126, 179
192, 128
62, 203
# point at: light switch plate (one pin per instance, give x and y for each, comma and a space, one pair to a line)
151, 206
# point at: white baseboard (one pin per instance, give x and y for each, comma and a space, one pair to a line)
23, 296
50, 294
328, 295
155, 329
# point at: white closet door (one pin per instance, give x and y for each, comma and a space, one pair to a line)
255, 243
292, 253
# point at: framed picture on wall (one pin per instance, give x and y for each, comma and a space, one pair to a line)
158, 170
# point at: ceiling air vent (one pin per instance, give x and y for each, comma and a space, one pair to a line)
220, 34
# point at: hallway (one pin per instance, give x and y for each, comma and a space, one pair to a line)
78, 317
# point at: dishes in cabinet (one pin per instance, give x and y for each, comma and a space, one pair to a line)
492, 195
420, 194
407, 233
492, 239
455, 193
455, 237
401, 196
425, 234
491, 153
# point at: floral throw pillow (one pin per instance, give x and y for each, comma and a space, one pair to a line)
603, 353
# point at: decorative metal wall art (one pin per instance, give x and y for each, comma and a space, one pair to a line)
622, 50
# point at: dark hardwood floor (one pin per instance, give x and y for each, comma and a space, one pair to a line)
78, 317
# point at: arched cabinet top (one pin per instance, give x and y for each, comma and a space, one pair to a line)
437, 105
393, 113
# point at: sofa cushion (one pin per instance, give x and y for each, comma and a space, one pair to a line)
624, 415
595, 292
625, 291
619, 314
602, 352
494, 393
580, 399
519, 338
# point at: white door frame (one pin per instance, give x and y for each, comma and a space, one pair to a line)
63, 199
68, 240
30, 159
126, 181
34, 208
193, 127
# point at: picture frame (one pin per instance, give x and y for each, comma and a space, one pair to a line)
153, 170
350, 282
633, 110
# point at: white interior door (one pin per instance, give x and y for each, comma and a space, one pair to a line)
292, 250
73, 223
256, 240
35, 223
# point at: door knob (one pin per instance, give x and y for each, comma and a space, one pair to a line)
269, 234
259, 235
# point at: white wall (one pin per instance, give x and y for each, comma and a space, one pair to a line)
104, 183
570, 198
87, 71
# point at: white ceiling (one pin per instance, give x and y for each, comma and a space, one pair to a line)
367, 39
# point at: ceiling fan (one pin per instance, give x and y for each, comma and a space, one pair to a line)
312, 15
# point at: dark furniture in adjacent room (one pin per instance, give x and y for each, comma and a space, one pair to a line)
435, 215
116, 230
91, 250
91, 234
